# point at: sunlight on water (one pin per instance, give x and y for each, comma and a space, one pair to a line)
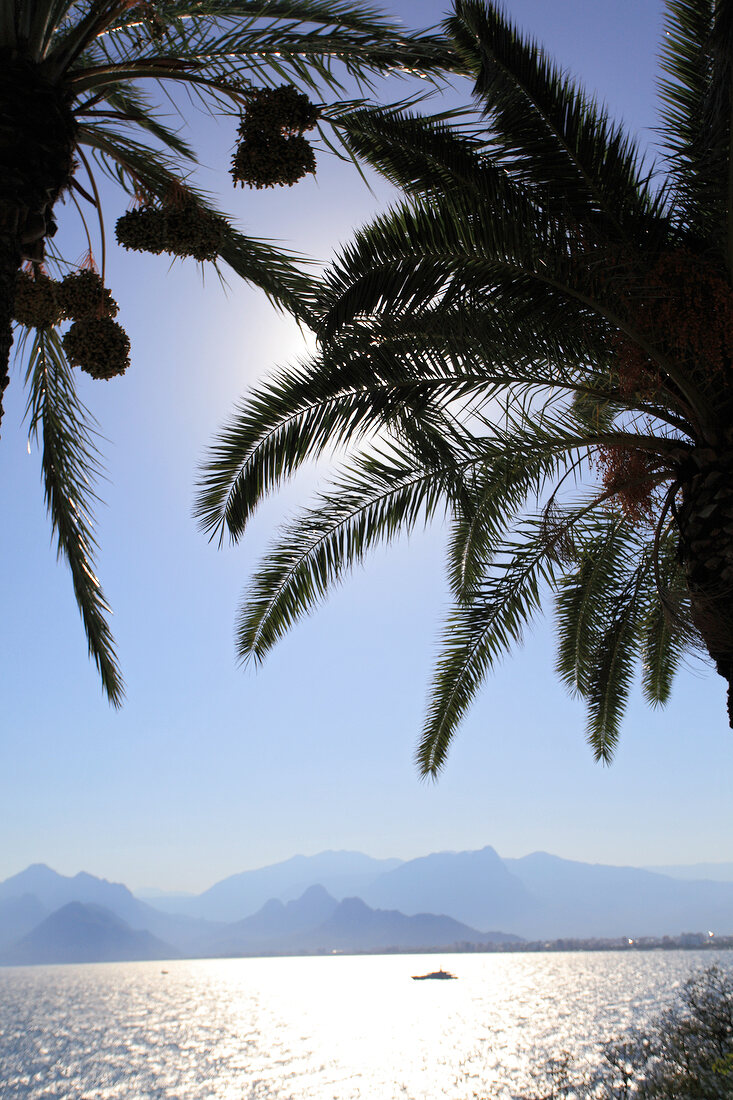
318, 1028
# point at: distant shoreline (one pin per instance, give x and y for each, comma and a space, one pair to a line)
646, 943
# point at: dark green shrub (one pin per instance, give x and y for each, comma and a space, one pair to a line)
685, 1054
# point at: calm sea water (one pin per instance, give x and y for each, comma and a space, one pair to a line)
318, 1028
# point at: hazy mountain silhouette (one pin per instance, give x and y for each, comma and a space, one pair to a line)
712, 872
275, 924
538, 897
592, 899
473, 887
19, 915
276, 918
46, 891
317, 922
354, 926
281, 908
79, 933
240, 895
54, 890
84, 932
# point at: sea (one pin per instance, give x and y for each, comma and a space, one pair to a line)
322, 1028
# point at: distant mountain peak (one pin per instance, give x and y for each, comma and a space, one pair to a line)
539, 896
354, 906
316, 892
79, 932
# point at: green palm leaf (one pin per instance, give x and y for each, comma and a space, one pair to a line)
697, 59
542, 324
379, 498
420, 154
547, 130
70, 462
341, 396
665, 632
578, 605
477, 634
610, 683
101, 71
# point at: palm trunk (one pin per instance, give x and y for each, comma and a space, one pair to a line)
705, 521
10, 260
37, 135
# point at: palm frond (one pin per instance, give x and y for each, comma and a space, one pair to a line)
499, 325
419, 154
477, 634
503, 473
696, 56
550, 134
450, 248
719, 114
666, 625
579, 605
99, 56
512, 338
693, 140
71, 463
129, 162
45, 17
313, 44
138, 167
323, 403
610, 680
377, 498
275, 271
131, 107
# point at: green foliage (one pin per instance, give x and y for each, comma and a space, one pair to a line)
496, 327
686, 1053
84, 87
71, 465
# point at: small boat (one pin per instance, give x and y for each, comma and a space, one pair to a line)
440, 975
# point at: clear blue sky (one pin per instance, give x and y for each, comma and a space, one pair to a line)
209, 770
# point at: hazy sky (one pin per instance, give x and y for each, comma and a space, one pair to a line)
208, 769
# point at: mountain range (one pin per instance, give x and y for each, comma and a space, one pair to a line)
347, 901
85, 933
343, 874
719, 872
539, 896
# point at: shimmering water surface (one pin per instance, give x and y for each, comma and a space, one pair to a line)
318, 1028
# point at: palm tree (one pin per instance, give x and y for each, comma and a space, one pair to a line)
76, 80
537, 343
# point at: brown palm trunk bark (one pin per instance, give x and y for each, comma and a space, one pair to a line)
705, 521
